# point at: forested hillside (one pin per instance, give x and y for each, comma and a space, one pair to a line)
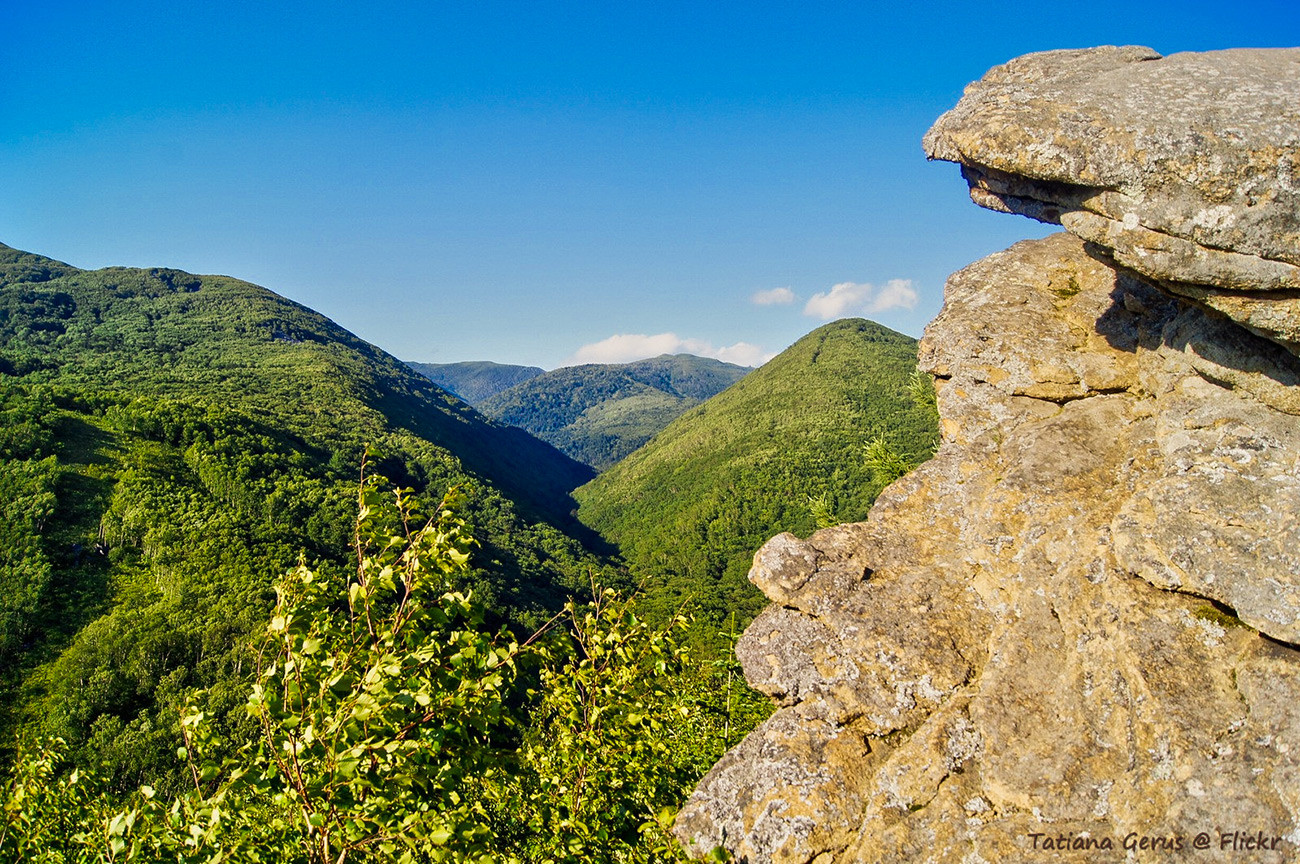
599, 413
476, 380
808, 439
171, 444
166, 333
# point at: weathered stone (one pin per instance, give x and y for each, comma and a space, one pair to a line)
815, 769
1078, 625
1022, 641
783, 566
1186, 167
1218, 514
1274, 315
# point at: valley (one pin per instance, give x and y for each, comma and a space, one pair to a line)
174, 443
599, 413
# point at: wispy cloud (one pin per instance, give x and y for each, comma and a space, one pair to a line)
626, 347
773, 297
850, 298
742, 354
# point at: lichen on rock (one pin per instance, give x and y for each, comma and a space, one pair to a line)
1186, 168
1079, 621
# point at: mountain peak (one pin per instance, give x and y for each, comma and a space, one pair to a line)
19, 266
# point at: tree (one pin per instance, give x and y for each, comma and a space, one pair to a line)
375, 714
602, 766
377, 702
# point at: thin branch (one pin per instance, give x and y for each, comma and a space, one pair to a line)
189, 757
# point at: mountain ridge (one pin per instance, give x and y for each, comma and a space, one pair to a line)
269, 329
598, 413
689, 507
475, 380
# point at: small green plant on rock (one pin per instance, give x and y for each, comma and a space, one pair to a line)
1215, 615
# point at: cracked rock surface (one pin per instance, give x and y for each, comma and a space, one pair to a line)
1186, 168
1078, 625
1078, 619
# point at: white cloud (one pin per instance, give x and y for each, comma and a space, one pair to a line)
743, 354
626, 347
773, 297
838, 301
858, 298
896, 294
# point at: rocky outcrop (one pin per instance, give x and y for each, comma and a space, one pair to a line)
1074, 631
1187, 167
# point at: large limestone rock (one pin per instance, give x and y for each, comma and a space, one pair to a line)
1075, 632
1187, 167
1028, 636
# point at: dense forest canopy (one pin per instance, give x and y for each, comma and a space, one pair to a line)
166, 333
388, 719
171, 445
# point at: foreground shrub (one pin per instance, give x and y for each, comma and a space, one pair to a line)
395, 725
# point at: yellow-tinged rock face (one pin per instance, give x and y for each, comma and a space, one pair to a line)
1075, 632
1021, 647
1187, 167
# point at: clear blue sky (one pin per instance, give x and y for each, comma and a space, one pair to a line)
514, 181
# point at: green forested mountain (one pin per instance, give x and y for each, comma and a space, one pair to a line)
171, 444
796, 443
166, 333
476, 380
599, 413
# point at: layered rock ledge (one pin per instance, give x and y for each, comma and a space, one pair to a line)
1079, 622
1186, 167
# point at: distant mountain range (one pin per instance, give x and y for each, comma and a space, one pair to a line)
702, 460
475, 380
599, 413
781, 450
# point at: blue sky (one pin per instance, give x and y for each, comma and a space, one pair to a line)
537, 182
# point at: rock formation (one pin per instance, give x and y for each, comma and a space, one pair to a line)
1186, 168
1075, 632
